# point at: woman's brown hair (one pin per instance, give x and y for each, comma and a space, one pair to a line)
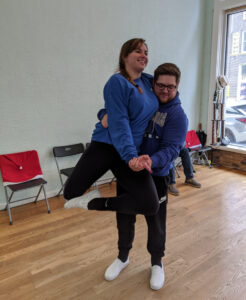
126, 49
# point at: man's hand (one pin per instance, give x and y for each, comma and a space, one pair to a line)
146, 162
104, 121
140, 163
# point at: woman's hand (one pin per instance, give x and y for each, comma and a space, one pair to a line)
140, 163
135, 165
104, 121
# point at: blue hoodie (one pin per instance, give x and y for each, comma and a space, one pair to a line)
128, 114
165, 136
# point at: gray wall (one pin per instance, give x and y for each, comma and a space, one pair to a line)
56, 55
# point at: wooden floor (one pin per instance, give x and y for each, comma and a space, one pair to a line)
64, 255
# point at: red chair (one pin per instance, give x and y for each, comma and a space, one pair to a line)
194, 145
21, 171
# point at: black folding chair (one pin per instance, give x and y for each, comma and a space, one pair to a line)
62, 152
21, 171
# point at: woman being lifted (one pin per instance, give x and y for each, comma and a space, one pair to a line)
130, 104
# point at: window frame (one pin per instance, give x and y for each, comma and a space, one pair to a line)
235, 53
218, 52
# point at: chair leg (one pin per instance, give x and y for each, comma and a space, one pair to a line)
62, 185
8, 205
206, 159
175, 168
58, 194
114, 178
194, 160
38, 195
46, 199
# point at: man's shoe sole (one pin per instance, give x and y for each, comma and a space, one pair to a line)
195, 186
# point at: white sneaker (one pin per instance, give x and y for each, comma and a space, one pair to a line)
82, 201
115, 268
157, 277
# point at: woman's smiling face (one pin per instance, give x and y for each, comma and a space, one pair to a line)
137, 60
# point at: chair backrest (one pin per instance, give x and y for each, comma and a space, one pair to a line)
202, 137
20, 167
192, 141
62, 151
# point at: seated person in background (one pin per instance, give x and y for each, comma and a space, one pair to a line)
188, 171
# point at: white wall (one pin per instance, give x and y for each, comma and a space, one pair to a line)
56, 55
206, 54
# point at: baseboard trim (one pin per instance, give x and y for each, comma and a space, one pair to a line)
2, 206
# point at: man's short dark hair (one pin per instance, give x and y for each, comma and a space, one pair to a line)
167, 69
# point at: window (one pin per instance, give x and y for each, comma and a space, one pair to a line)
235, 43
242, 83
235, 71
244, 41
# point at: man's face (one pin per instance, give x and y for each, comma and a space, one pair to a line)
165, 88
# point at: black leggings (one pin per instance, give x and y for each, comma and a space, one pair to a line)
156, 226
140, 195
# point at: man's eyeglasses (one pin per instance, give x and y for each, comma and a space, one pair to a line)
163, 86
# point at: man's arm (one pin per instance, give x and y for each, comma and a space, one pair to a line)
104, 121
171, 140
101, 113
